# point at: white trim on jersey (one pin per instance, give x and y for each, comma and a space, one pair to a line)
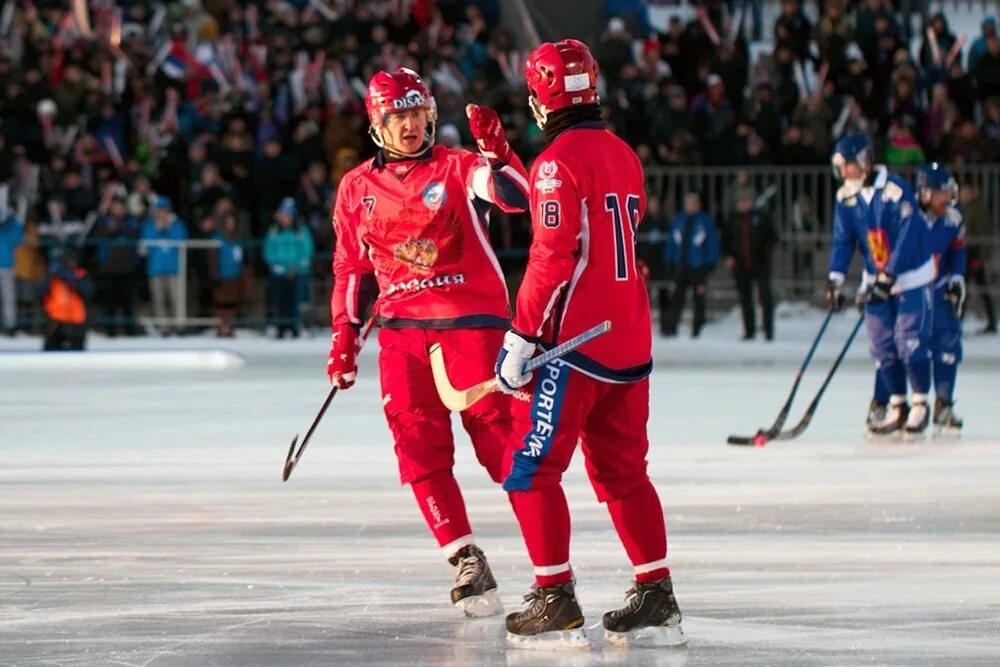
352, 299
907, 280
549, 306
513, 175
650, 566
549, 570
581, 264
485, 242
481, 183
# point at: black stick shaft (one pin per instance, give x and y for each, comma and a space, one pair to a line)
292, 459
779, 421
807, 417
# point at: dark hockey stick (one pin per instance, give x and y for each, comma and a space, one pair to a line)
797, 430
762, 436
292, 459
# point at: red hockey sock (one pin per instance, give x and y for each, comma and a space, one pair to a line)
441, 501
544, 518
638, 518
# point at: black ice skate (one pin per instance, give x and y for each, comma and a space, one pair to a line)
893, 421
475, 591
945, 418
649, 618
551, 618
918, 417
876, 414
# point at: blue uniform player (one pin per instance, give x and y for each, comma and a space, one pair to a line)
875, 213
937, 193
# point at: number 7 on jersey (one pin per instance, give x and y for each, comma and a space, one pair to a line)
624, 248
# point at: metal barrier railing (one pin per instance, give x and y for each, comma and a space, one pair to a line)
799, 199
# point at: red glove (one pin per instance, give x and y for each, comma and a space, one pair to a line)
484, 124
342, 365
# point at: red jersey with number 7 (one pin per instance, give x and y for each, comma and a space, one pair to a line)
420, 226
587, 198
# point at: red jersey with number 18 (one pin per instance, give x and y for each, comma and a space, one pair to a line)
587, 198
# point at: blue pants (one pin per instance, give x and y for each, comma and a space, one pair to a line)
946, 345
900, 330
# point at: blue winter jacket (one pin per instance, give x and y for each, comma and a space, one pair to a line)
11, 235
163, 260
230, 255
698, 248
288, 250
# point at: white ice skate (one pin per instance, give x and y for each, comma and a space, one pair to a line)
917, 419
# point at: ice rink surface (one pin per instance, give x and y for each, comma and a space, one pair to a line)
143, 520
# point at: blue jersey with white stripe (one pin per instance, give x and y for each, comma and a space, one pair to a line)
880, 221
947, 240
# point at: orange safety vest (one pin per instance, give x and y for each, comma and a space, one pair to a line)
63, 304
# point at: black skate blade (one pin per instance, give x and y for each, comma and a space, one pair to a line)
760, 439
289, 461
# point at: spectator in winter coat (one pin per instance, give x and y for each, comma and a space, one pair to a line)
793, 30
141, 198
288, 250
691, 253
117, 234
226, 271
937, 42
11, 236
978, 229
987, 72
65, 294
274, 177
978, 48
903, 147
161, 238
748, 240
314, 199
652, 242
970, 146
832, 34
714, 123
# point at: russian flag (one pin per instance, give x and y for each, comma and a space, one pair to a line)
175, 62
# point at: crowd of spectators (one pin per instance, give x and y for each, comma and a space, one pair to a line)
703, 93
132, 126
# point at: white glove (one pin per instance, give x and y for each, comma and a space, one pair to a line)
515, 353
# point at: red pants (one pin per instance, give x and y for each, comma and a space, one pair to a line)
421, 424
609, 420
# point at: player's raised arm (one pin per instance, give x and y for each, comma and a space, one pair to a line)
503, 180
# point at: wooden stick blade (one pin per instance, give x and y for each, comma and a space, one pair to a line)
455, 400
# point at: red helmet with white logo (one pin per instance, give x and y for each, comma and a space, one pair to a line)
392, 92
560, 75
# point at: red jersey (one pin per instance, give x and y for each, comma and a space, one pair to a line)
587, 198
421, 227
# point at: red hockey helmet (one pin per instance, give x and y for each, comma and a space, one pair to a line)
392, 92
560, 75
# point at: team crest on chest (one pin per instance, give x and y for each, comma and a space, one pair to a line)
434, 196
418, 254
878, 245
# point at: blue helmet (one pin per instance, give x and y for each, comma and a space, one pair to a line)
856, 148
932, 177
